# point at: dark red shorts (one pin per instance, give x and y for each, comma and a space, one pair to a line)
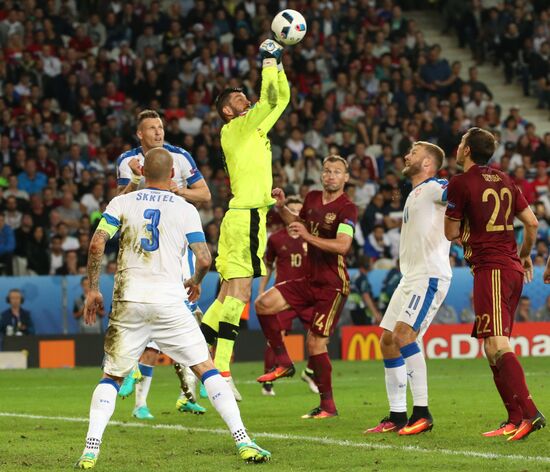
326, 304
286, 317
496, 297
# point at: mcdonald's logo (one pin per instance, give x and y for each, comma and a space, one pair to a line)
362, 347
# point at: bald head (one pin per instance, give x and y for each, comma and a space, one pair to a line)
158, 165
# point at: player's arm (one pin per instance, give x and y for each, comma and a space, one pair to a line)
286, 215
128, 176
452, 228
372, 306
94, 299
282, 101
106, 229
269, 96
196, 192
339, 245
197, 243
265, 280
455, 209
202, 266
530, 224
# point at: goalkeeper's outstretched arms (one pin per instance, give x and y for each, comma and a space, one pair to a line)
235, 108
283, 97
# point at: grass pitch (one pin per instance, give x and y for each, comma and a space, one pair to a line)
43, 423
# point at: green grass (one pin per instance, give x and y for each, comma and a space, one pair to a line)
463, 402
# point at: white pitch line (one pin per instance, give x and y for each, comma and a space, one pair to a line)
312, 439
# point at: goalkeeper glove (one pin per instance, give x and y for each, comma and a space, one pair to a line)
271, 49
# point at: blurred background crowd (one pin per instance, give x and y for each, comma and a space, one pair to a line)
365, 84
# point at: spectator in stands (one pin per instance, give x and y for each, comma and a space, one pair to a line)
12, 214
7, 247
70, 264
361, 300
56, 254
38, 258
524, 312
78, 311
378, 244
23, 236
543, 313
445, 315
30, 180
16, 320
467, 315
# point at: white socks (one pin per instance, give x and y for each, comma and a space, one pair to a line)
142, 388
191, 380
417, 373
101, 409
223, 400
396, 384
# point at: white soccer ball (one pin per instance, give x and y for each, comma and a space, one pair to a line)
289, 27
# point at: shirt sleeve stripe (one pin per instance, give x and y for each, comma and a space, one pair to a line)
123, 182
111, 220
444, 196
196, 237
346, 229
194, 178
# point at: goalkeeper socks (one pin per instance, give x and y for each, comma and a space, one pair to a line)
515, 415
272, 331
417, 373
223, 400
142, 388
396, 384
511, 371
323, 377
232, 309
210, 324
269, 358
101, 409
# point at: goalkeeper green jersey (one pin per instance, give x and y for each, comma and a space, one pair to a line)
246, 147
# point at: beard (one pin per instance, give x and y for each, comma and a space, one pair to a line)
412, 170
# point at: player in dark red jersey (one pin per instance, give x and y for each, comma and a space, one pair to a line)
482, 205
286, 255
326, 222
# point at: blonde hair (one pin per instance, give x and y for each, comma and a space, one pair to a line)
433, 150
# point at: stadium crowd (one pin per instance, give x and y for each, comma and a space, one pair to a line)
365, 84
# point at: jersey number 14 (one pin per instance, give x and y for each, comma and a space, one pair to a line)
153, 228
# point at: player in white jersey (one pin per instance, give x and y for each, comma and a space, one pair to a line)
149, 298
186, 182
424, 262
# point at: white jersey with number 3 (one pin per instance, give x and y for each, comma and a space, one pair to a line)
156, 227
423, 248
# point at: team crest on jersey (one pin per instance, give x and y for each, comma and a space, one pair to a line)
304, 246
329, 218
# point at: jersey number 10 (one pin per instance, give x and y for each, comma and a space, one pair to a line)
153, 228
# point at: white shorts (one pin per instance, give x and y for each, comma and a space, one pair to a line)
415, 302
132, 325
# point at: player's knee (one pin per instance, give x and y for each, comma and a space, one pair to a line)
260, 306
316, 344
149, 356
386, 340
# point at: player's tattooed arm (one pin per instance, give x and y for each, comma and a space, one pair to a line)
95, 257
203, 262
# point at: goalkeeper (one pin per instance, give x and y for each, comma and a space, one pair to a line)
247, 159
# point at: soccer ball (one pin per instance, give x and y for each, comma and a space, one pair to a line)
289, 27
